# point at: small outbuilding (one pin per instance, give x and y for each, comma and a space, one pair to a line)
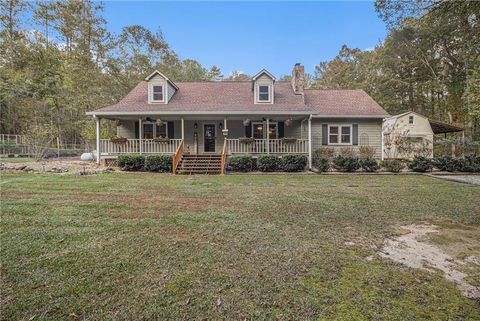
410, 134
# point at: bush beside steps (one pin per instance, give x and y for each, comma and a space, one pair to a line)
150, 163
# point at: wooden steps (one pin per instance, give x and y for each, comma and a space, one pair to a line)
200, 164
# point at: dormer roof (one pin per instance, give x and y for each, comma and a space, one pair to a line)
264, 71
155, 73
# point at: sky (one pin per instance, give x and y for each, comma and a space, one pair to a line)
250, 36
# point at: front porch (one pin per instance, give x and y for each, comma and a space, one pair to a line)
178, 136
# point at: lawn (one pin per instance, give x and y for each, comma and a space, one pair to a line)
154, 246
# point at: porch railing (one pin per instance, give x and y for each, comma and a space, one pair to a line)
276, 146
135, 146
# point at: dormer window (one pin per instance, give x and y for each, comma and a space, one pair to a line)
157, 92
263, 84
160, 88
264, 93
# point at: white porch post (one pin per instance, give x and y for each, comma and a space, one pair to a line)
310, 142
140, 135
97, 119
183, 128
225, 123
268, 136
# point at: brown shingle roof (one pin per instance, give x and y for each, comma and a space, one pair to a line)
343, 102
237, 96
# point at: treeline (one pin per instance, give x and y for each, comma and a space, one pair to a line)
429, 62
59, 61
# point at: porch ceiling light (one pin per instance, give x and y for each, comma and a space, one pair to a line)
159, 122
195, 126
246, 122
220, 126
148, 119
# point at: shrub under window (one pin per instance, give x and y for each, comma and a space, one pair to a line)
369, 164
346, 164
393, 165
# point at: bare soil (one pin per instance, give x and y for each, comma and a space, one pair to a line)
412, 250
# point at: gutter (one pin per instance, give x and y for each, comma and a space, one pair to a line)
149, 113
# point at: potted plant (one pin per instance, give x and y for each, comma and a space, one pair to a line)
246, 140
289, 140
161, 139
118, 140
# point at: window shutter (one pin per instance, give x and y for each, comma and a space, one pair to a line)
324, 134
171, 130
355, 134
248, 130
137, 130
281, 129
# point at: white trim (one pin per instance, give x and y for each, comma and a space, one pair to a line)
156, 72
261, 72
152, 113
154, 123
348, 116
340, 134
97, 140
151, 99
310, 142
269, 87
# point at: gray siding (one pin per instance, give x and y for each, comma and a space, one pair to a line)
126, 129
369, 133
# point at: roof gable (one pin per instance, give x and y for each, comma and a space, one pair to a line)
155, 73
264, 72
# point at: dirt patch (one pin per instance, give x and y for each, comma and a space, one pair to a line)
71, 165
412, 250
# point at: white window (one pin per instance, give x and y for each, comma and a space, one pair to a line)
264, 93
157, 92
339, 134
152, 130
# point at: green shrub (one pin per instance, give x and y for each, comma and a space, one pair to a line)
241, 163
131, 162
470, 163
420, 164
369, 164
268, 163
158, 163
322, 164
445, 163
294, 163
346, 163
393, 165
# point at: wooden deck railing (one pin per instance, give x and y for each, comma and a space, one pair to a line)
224, 156
132, 146
276, 146
177, 157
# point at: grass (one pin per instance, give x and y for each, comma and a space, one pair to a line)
16, 159
152, 246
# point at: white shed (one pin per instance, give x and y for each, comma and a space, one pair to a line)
407, 135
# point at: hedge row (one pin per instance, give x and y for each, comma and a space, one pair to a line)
150, 163
418, 164
267, 163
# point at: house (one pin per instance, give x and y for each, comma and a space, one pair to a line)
209, 121
410, 134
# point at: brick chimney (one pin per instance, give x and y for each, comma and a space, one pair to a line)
298, 78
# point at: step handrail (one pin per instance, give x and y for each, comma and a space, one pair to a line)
224, 157
177, 157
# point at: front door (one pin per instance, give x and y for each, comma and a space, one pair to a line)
209, 138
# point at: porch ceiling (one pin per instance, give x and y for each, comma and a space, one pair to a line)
206, 117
